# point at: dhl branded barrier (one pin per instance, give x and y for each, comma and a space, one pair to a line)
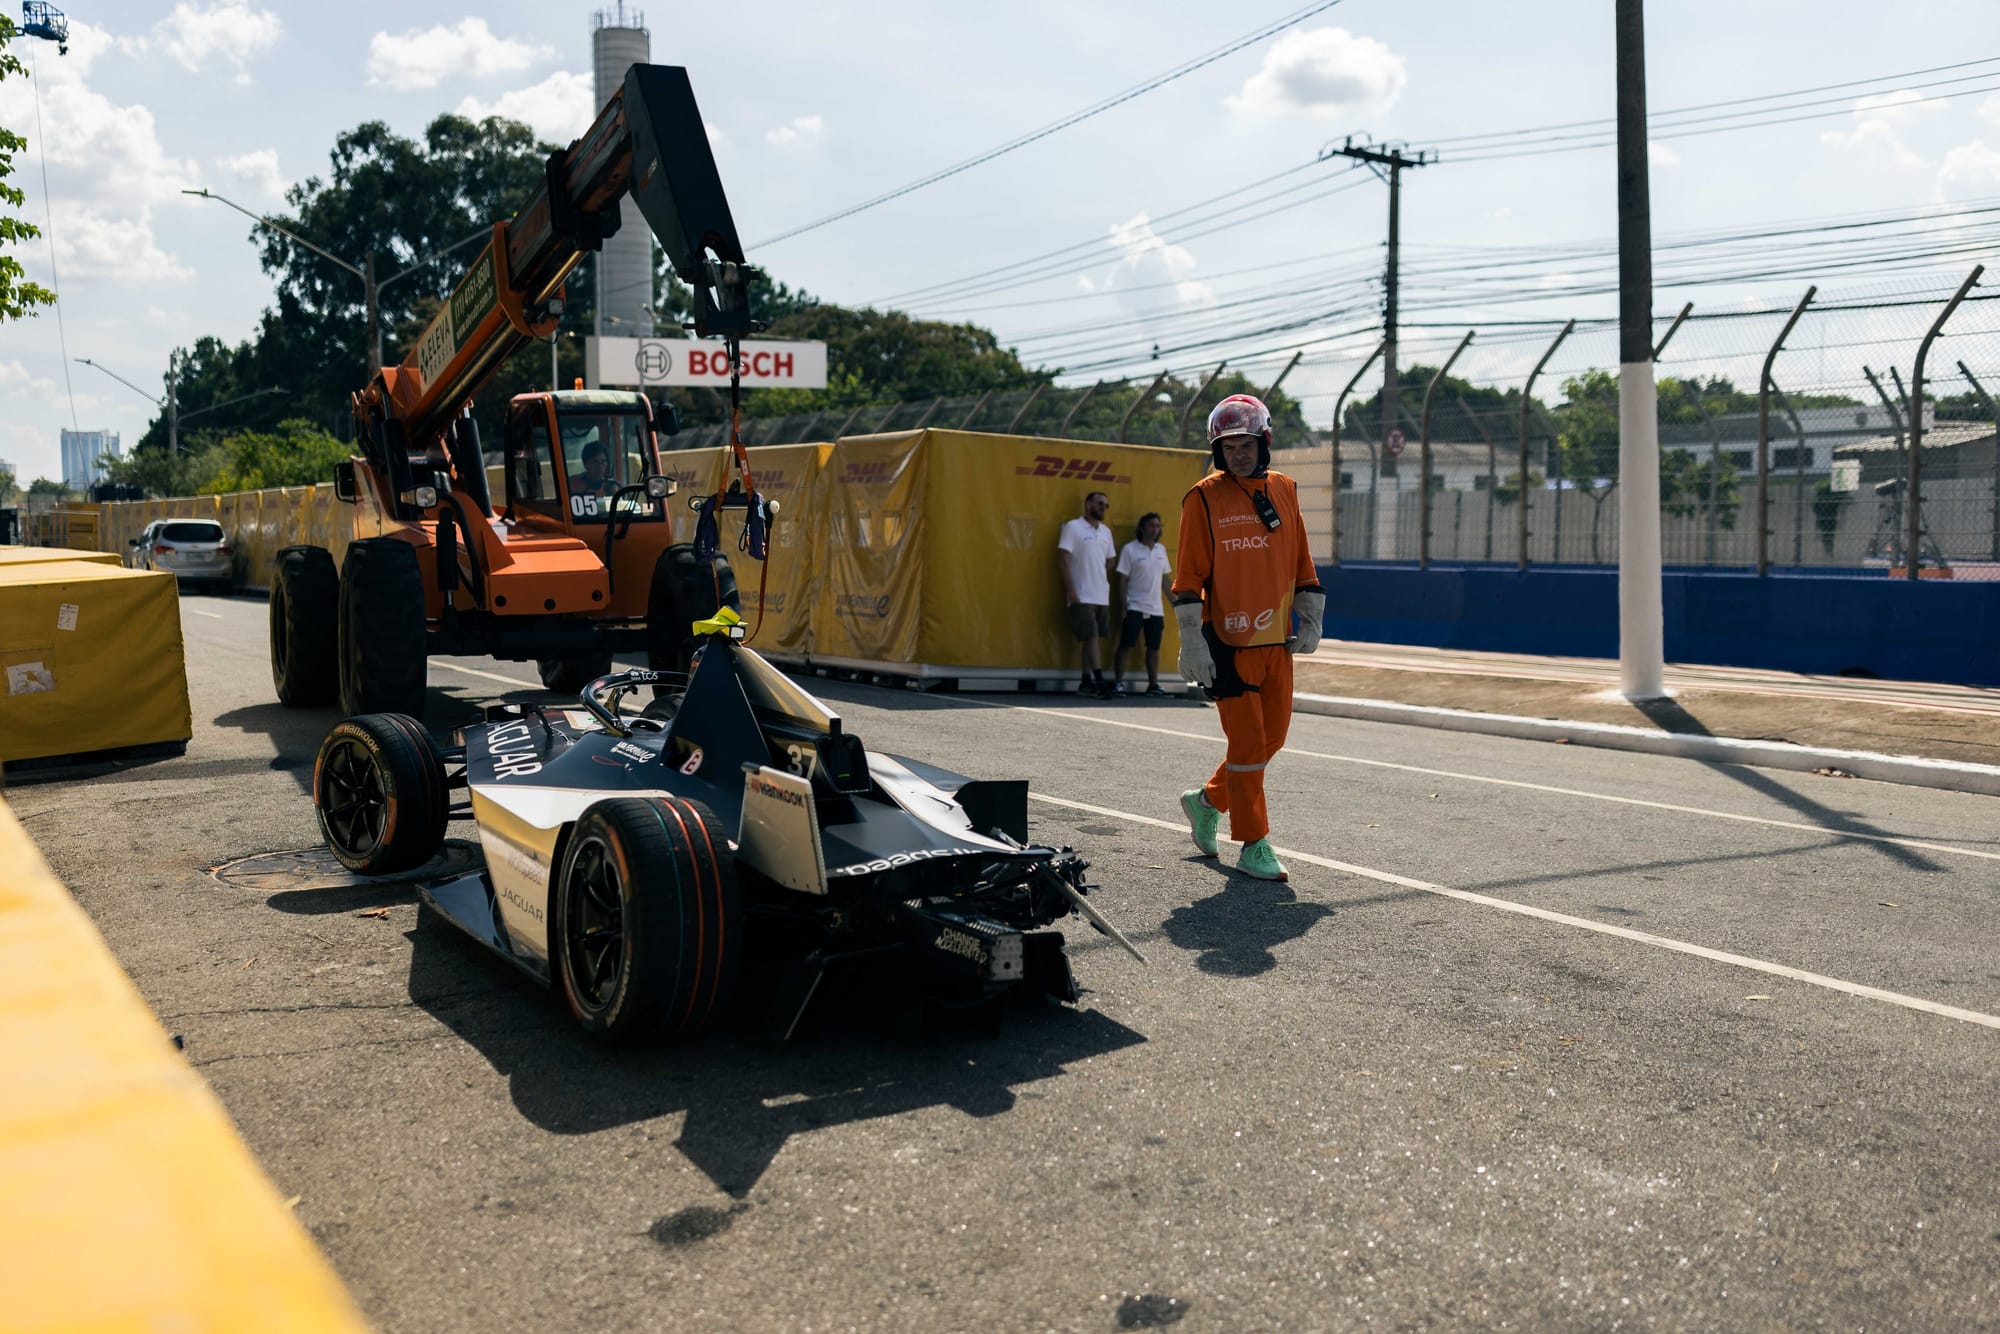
90, 661
926, 547
131, 1203
73, 526
940, 546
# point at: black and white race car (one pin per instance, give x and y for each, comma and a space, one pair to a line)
729, 841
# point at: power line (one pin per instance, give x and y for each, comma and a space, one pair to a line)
1054, 127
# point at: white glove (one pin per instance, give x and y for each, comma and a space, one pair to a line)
1310, 604
1197, 665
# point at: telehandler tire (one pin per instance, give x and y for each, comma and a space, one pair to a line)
305, 614
567, 676
685, 590
382, 648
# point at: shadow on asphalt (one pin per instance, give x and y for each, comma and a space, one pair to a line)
1670, 716
741, 1098
1235, 930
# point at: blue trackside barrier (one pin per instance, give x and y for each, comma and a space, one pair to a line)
1934, 630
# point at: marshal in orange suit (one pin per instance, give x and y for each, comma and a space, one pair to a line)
1244, 571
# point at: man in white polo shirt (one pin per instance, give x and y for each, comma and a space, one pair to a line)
1084, 553
1146, 574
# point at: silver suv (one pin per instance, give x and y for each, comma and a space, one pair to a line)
192, 550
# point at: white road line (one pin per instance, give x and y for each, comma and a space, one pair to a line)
1580, 923
489, 676
1070, 715
196, 611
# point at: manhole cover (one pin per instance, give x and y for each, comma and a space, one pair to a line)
317, 868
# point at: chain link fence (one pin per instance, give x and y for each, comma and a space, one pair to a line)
1793, 436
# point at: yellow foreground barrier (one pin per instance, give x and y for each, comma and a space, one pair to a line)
129, 1200
45, 555
90, 662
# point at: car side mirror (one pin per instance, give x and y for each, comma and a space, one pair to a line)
131, 541
344, 487
659, 486
666, 421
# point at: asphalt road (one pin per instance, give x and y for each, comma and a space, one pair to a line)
1537, 1037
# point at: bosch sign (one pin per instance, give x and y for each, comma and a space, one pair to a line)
646, 362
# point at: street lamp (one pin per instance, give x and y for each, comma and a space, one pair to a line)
172, 402
365, 273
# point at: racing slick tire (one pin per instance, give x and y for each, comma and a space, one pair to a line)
568, 676
647, 926
305, 613
684, 590
381, 639
380, 792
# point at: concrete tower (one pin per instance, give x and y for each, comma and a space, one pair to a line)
618, 41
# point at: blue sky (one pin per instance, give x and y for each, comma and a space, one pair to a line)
814, 107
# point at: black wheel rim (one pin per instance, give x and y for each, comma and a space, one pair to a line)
594, 924
354, 801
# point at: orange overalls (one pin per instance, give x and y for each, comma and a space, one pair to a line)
1246, 575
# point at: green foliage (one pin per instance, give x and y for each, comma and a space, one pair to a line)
296, 454
883, 356
1508, 490
18, 296
1687, 479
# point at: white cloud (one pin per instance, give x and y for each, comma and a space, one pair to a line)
234, 30
12, 374
557, 109
256, 171
801, 127
1968, 171
1152, 275
1324, 72
1660, 155
420, 59
1879, 120
104, 245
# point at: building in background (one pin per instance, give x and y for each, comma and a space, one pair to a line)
618, 41
84, 454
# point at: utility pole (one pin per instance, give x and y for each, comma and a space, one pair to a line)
173, 404
1641, 633
1394, 159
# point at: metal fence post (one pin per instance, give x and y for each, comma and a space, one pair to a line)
1492, 483
929, 413
1339, 407
976, 409
1180, 437
1987, 399
1077, 407
1022, 414
1915, 515
1527, 392
1273, 386
1151, 389
850, 420
1764, 438
1424, 455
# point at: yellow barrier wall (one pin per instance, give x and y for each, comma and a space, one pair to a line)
933, 546
130, 1201
942, 544
90, 660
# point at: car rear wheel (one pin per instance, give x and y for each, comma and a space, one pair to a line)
382, 634
569, 675
305, 611
647, 925
380, 791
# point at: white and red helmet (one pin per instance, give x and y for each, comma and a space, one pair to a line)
1240, 414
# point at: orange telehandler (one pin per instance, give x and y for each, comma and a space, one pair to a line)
579, 557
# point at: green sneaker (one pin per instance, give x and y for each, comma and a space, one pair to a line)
1260, 861
1203, 820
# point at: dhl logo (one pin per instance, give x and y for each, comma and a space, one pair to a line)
869, 474
1072, 470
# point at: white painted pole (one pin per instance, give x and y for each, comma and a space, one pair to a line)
1641, 637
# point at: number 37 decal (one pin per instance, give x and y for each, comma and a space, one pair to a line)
801, 760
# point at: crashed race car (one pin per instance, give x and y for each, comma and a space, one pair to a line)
728, 841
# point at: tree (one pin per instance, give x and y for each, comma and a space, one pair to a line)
298, 453
886, 356
1587, 443
18, 296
